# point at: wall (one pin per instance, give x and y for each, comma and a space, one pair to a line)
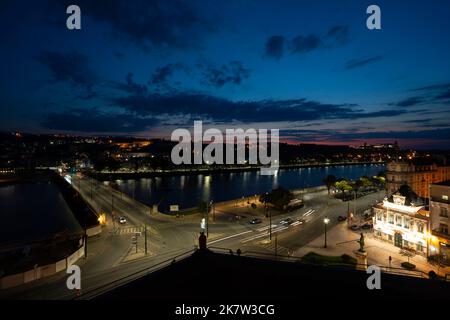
41, 271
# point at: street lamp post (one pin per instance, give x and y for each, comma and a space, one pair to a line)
270, 225
325, 222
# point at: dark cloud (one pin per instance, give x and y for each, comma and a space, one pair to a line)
275, 47
232, 73
91, 120
333, 135
442, 86
355, 63
129, 86
425, 120
335, 36
409, 102
303, 44
147, 23
438, 93
162, 74
197, 105
71, 67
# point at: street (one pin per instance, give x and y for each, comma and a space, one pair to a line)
111, 255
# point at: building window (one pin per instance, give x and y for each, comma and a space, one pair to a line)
443, 212
398, 220
420, 227
419, 247
444, 197
405, 243
406, 222
391, 218
390, 237
443, 228
379, 216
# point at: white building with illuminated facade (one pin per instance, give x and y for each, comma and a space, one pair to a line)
403, 221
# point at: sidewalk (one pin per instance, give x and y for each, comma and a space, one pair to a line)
378, 251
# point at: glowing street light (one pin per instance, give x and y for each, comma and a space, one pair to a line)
325, 222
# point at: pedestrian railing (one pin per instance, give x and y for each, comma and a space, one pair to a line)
347, 266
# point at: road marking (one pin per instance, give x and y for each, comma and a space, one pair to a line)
127, 230
308, 213
267, 227
263, 234
229, 237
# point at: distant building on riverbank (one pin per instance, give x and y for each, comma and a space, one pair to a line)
418, 173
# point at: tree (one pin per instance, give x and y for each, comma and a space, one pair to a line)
366, 182
279, 197
329, 181
343, 185
356, 186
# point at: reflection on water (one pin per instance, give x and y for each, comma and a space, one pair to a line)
33, 211
187, 191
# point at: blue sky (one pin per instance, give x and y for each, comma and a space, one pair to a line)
310, 68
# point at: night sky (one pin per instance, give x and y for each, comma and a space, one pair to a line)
310, 68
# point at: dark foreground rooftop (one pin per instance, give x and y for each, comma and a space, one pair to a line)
216, 278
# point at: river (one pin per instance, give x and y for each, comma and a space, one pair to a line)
189, 190
33, 211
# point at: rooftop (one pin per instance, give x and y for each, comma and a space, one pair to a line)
215, 277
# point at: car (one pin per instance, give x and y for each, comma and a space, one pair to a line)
122, 220
355, 227
286, 222
367, 226
255, 221
342, 218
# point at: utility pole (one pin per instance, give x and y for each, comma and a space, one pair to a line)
325, 222
207, 219
145, 238
85, 237
112, 211
270, 225
276, 247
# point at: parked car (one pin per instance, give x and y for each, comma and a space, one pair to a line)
255, 221
342, 218
355, 227
122, 220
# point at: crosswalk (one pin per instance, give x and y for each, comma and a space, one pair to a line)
280, 250
128, 230
308, 213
